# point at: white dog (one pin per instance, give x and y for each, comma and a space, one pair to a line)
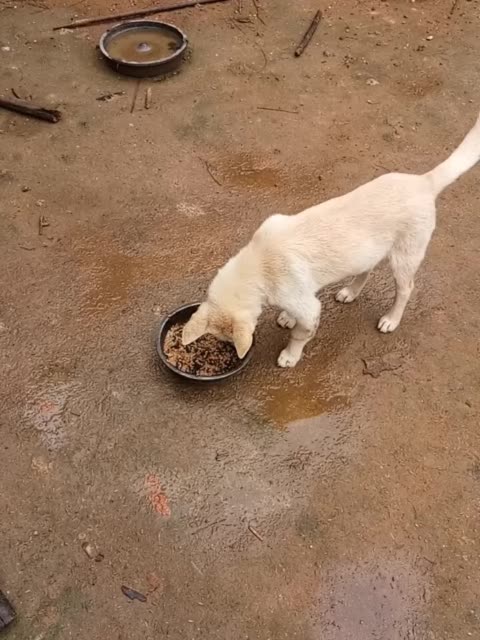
290, 258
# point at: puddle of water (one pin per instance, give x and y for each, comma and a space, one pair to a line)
306, 398
143, 45
113, 278
380, 600
249, 171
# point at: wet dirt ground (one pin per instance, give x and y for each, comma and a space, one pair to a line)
335, 501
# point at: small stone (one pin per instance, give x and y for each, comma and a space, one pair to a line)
91, 552
40, 203
25, 189
5, 48
372, 82
429, 38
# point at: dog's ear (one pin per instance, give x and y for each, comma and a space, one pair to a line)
242, 338
196, 326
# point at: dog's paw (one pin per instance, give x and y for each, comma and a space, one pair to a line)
386, 324
286, 321
345, 295
286, 359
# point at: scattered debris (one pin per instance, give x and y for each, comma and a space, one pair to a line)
197, 569
7, 613
372, 82
255, 533
243, 19
395, 123
134, 14
91, 552
148, 98
39, 464
106, 97
207, 526
156, 496
305, 41
257, 12
30, 109
278, 109
42, 223
153, 582
131, 594
135, 94
210, 172
453, 7
378, 364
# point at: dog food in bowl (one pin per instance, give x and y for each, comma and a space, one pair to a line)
205, 357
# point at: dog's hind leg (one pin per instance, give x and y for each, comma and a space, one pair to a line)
405, 258
307, 317
353, 290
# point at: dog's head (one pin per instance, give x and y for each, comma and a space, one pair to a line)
222, 324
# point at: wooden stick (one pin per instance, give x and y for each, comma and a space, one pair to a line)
255, 533
135, 94
308, 34
148, 98
134, 14
30, 109
277, 109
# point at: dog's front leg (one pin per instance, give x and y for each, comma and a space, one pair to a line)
307, 318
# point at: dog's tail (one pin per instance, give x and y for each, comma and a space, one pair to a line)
461, 160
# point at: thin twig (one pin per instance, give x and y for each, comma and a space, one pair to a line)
135, 94
275, 109
257, 12
305, 41
207, 526
265, 59
454, 6
134, 14
255, 533
210, 173
196, 568
148, 98
15, 94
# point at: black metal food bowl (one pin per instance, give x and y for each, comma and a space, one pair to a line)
144, 48
181, 316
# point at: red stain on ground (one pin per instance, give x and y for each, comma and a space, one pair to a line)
156, 496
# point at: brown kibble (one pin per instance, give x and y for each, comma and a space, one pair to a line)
207, 356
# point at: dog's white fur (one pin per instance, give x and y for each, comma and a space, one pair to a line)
290, 258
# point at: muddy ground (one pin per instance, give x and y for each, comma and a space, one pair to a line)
321, 503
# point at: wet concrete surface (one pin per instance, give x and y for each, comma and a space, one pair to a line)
319, 503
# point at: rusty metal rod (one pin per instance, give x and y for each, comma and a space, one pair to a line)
86, 22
